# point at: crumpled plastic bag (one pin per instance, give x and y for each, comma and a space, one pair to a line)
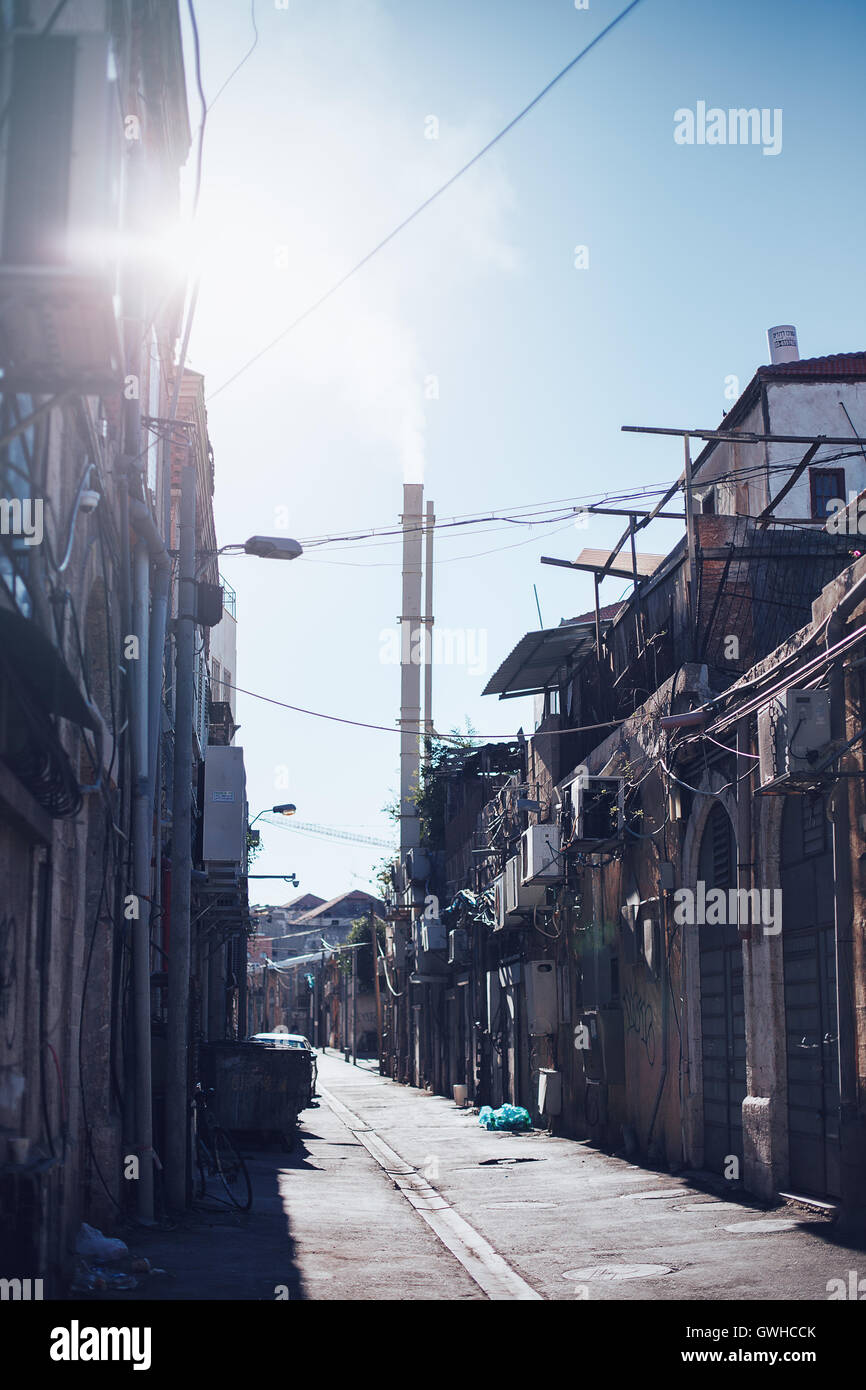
93, 1245
98, 1279
506, 1117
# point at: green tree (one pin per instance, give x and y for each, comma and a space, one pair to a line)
364, 964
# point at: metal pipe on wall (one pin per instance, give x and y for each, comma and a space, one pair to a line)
176, 1099
142, 821
852, 1139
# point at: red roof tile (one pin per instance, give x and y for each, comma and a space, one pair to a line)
836, 365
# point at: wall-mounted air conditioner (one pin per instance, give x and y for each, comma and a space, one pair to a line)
598, 808
521, 897
417, 865
512, 898
793, 732
499, 900
458, 946
433, 934
539, 853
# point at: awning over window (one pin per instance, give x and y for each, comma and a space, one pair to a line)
539, 657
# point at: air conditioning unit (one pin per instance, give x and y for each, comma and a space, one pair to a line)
539, 853
513, 899
499, 901
793, 731
61, 167
521, 897
598, 806
433, 934
458, 946
417, 865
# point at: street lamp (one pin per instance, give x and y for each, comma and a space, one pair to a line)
266, 547
271, 547
287, 810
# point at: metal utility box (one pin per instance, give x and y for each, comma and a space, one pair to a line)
258, 1089
225, 806
541, 1003
493, 1001
549, 1091
603, 1045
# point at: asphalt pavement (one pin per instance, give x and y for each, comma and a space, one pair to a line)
395, 1194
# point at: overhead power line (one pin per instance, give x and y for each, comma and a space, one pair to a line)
420, 731
443, 188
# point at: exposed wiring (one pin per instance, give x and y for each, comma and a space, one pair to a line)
701, 791
338, 284
450, 560
736, 751
235, 70
204, 107
396, 729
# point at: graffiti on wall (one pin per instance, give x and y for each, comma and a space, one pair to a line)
638, 1015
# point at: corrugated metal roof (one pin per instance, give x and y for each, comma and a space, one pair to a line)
538, 657
597, 559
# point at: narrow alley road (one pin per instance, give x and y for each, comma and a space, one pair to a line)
395, 1194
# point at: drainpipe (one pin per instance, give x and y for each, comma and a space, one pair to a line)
852, 1142
147, 530
176, 1099
665, 984
142, 823
746, 859
150, 629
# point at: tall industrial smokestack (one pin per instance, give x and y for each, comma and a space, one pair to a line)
428, 621
410, 665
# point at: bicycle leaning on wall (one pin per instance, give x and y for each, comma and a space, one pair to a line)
216, 1155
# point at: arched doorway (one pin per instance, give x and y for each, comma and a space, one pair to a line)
723, 1017
811, 1033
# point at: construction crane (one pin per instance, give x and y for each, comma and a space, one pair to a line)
311, 828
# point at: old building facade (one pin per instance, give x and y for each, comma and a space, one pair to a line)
649, 930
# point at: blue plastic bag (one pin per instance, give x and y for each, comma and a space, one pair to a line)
512, 1117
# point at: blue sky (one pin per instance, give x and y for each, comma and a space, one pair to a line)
315, 150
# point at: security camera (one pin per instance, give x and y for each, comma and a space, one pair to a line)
89, 501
